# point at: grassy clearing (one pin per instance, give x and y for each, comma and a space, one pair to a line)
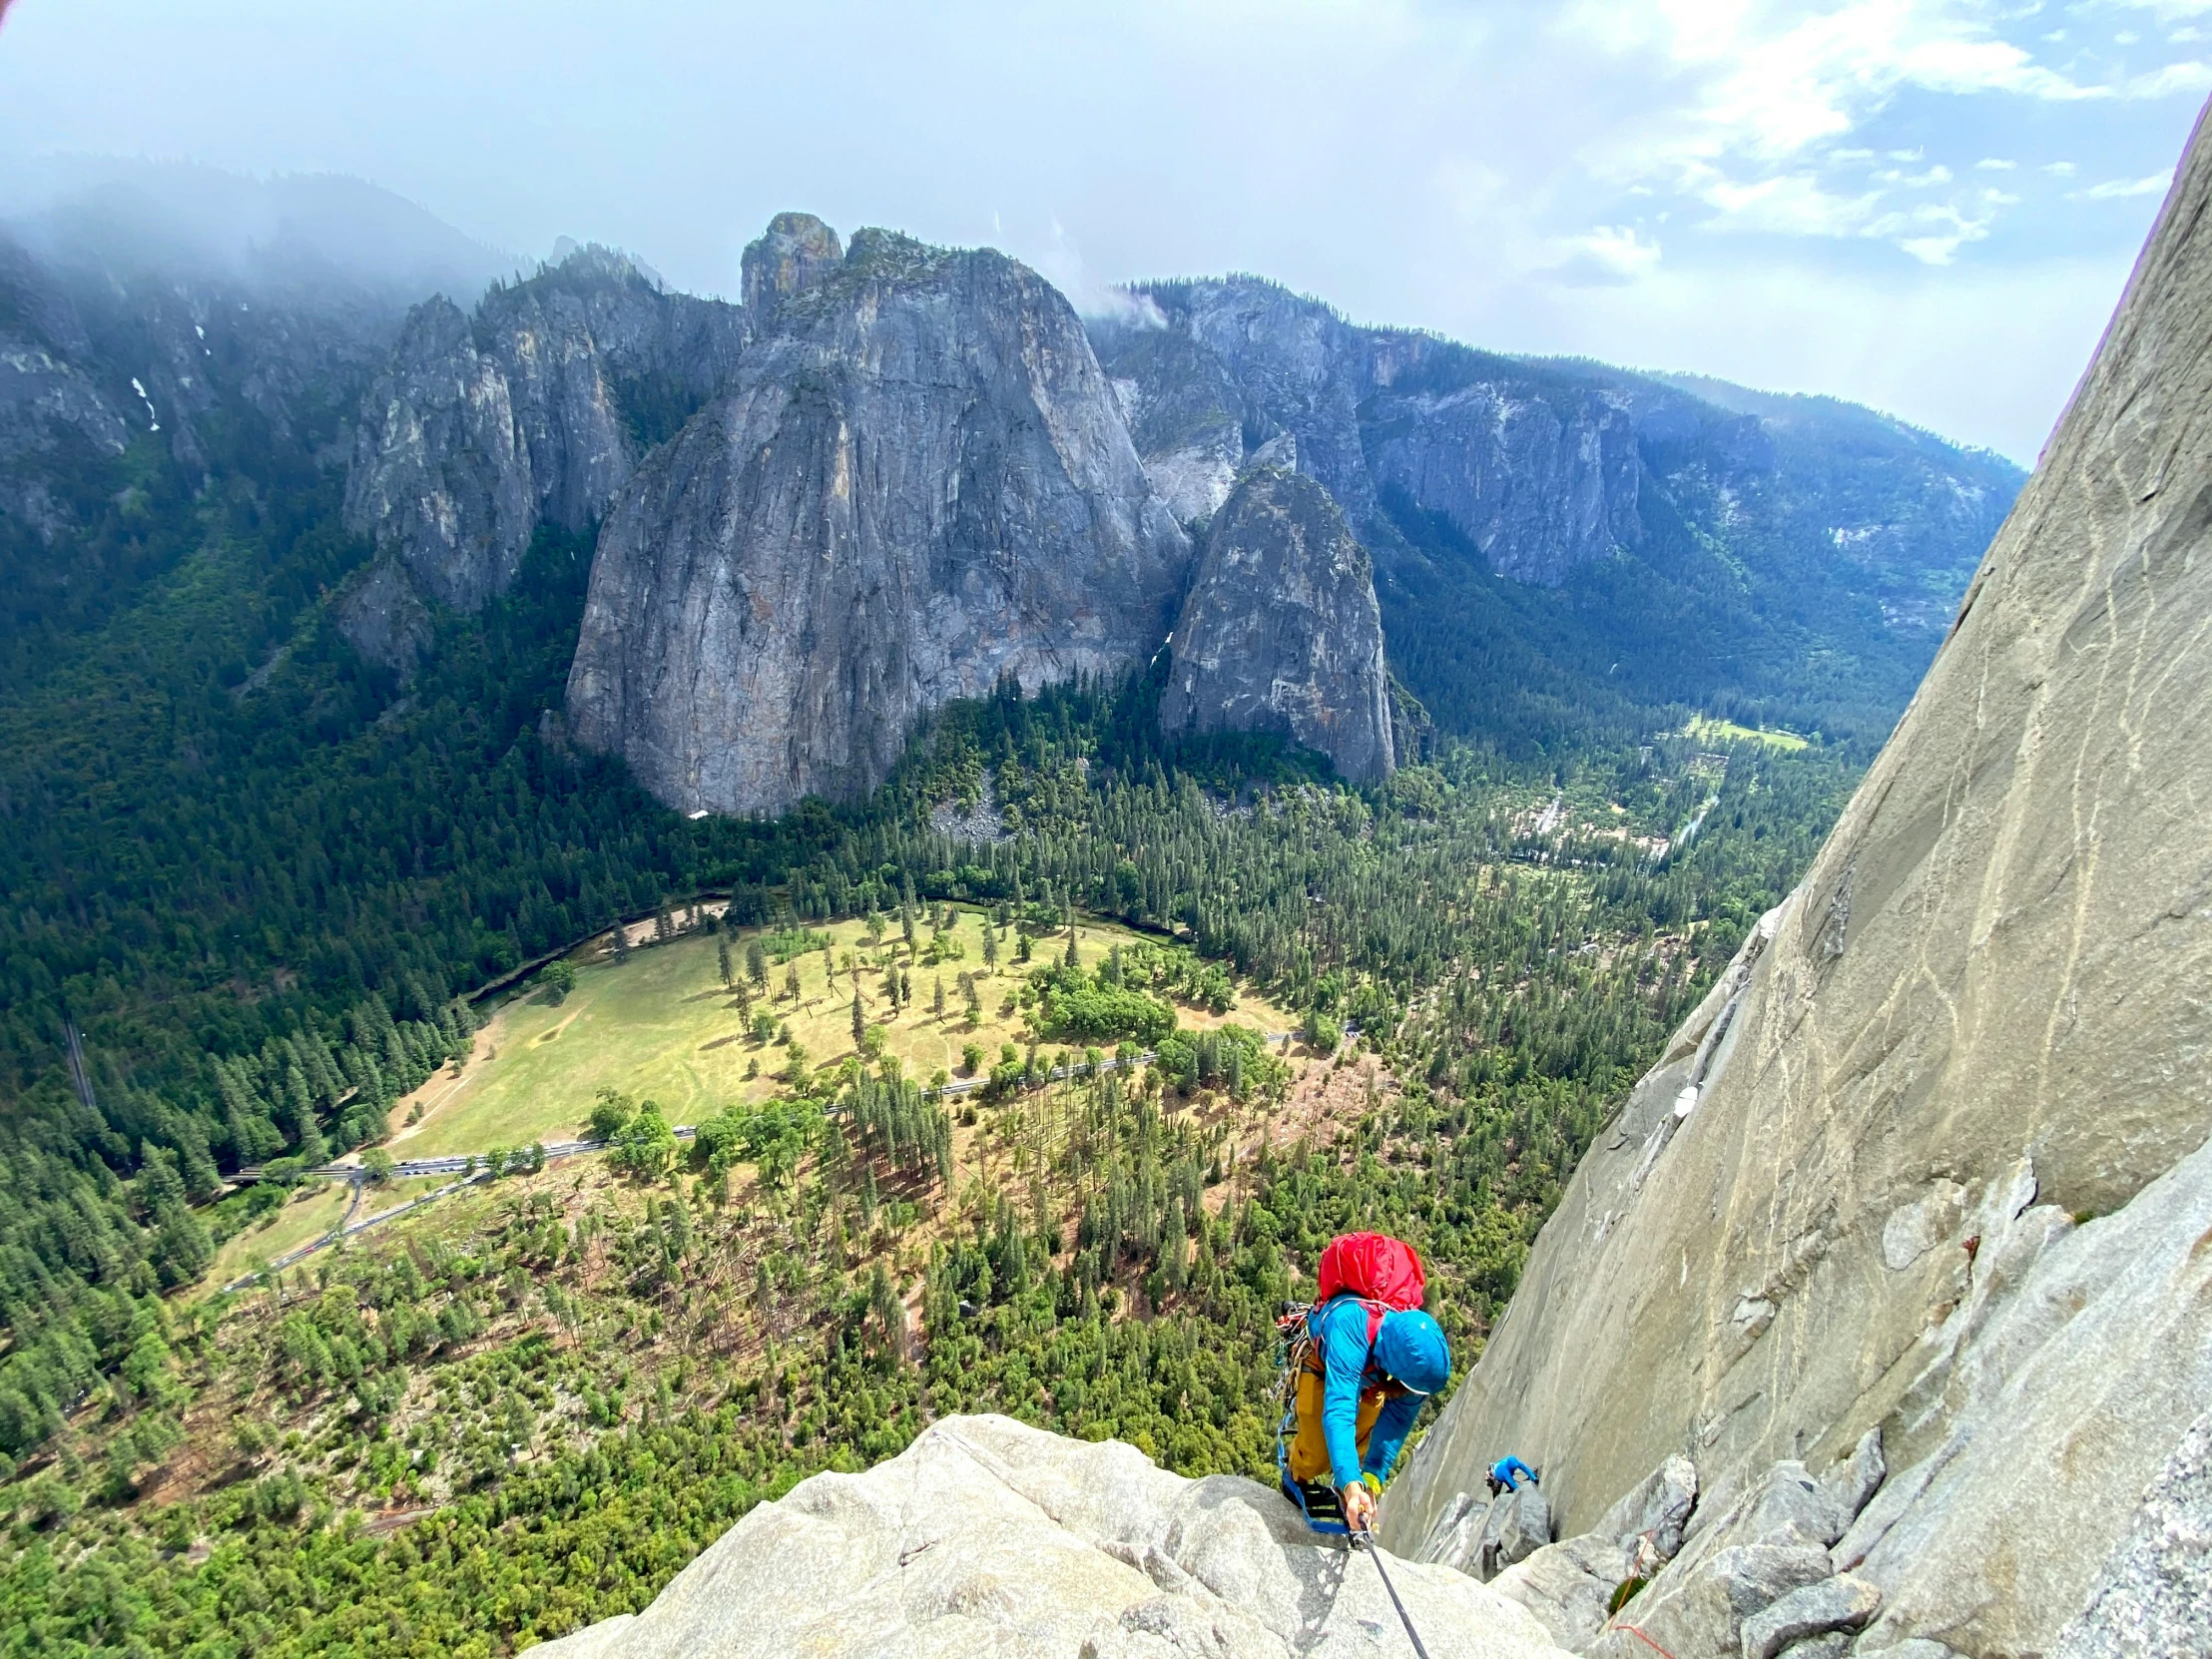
661, 1027
314, 1209
1705, 728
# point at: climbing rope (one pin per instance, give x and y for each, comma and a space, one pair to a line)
1366, 1540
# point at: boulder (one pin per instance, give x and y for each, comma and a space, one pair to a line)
1520, 1526
986, 1536
1858, 1477
1568, 1585
1699, 1612
1838, 1603
1657, 1508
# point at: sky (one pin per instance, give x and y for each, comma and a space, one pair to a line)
1929, 206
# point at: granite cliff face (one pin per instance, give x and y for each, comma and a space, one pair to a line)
1281, 631
1930, 1169
915, 483
989, 1537
536, 410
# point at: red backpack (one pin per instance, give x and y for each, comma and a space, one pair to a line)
1383, 1271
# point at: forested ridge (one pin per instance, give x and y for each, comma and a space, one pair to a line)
261, 880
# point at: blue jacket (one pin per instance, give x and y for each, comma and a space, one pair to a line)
1506, 1472
1348, 1369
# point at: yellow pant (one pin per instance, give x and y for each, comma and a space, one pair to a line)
1309, 1451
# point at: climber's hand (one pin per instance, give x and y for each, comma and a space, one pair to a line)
1358, 1503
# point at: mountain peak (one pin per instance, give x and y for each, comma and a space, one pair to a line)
795, 252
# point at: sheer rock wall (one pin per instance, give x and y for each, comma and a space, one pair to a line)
917, 482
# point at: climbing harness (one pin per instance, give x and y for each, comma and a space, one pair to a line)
1365, 1540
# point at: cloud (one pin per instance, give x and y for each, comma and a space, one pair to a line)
1607, 256
1775, 95
2118, 189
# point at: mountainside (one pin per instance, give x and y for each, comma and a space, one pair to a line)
1552, 538
916, 484
126, 392
1281, 633
536, 410
1923, 1185
328, 715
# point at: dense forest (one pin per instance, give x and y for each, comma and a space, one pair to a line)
532, 1408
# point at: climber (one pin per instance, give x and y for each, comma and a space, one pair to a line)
1363, 1357
1506, 1472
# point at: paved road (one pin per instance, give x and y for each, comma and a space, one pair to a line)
465, 1166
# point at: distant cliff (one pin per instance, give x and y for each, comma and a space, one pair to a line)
1552, 536
1926, 1182
536, 410
1281, 632
917, 483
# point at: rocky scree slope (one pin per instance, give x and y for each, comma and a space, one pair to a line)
986, 1536
1913, 1210
914, 484
1281, 631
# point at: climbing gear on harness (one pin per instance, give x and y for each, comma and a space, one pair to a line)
1366, 1542
1295, 1353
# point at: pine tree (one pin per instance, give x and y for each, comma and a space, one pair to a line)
722, 963
991, 947
936, 998
790, 981
755, 964
860, 1022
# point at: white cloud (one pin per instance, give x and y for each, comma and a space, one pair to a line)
1775, 90
1990, 163
1607, 254
2191, 76
2114, 189
1513, 174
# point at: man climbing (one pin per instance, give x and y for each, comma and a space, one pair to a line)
1506, 1473
1369, 1359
